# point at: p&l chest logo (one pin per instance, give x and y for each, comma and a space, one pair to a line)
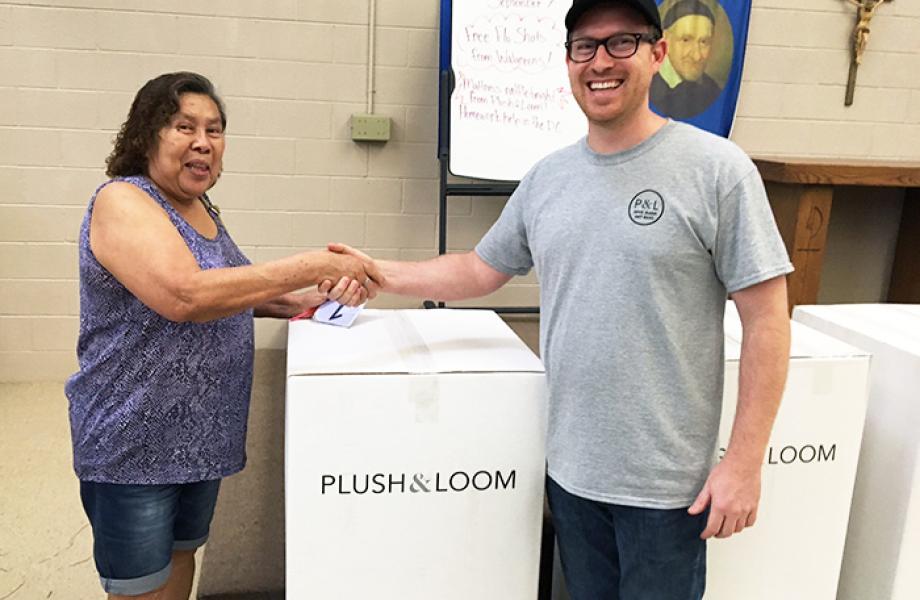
646, 207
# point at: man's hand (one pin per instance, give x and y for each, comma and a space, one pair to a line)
732, 490
333, 267
347, 291
358, 276
733, 493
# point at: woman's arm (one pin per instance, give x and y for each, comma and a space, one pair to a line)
133, 238
290, 305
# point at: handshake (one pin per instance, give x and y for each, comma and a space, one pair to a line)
347, 276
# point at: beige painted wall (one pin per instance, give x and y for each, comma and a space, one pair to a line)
292, 71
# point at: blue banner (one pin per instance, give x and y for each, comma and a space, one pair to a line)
701, 77
444, 77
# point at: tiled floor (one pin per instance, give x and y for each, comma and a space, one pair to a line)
279, 595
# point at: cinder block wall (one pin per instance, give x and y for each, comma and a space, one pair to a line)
292, 71
795, 75
291, 74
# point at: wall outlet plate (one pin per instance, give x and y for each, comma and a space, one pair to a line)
370, 128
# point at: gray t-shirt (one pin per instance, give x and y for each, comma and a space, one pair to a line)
635, 253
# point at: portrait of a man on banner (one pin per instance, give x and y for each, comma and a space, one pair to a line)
700, 77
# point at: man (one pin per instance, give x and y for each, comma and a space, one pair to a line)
682, 88
637, 232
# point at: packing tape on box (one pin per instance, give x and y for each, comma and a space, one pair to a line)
416, 356
424, 393
411, 346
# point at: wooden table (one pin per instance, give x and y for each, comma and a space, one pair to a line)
801, 193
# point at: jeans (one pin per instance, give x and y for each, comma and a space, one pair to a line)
616, 552
136, 528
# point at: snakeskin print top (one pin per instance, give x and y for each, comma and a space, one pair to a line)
157, 401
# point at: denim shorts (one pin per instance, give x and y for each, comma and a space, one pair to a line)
136, 528
618, 552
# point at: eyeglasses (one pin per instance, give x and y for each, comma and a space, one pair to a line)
620, 45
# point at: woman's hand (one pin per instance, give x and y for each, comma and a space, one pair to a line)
311, 298
375, 280
362, 278
295, 303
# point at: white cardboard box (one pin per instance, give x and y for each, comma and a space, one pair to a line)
414, 459
794, 550
882, 556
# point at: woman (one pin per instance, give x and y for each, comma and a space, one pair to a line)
158, 408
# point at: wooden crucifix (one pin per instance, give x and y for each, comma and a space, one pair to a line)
865, 11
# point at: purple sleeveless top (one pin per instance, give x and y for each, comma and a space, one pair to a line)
156, 401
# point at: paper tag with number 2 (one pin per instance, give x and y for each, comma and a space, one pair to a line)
333, 313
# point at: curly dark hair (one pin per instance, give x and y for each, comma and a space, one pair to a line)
153, 107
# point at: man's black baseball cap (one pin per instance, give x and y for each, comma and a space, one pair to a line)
647, 8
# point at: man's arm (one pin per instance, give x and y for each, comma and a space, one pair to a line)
733, 486
447, 277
